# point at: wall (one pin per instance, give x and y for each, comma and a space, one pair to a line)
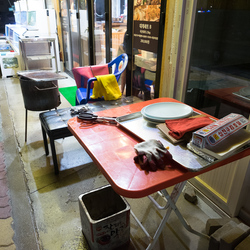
244, 213
6, 16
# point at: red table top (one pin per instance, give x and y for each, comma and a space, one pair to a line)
112, 149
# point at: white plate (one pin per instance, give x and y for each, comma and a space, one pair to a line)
162, 111
245, 91
154, 121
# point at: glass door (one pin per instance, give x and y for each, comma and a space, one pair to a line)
70, 34
148, 18
74, 33
65, 22
95, 32
110, 25
88, 30
99, 31
84, 32
119, 27
119, 33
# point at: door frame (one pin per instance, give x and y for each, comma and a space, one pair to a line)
62, 32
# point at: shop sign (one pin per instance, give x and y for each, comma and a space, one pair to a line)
146, 24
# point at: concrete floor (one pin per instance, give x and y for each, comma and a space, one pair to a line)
45, 207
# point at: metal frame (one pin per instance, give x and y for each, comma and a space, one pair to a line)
90, 9
169, 207
129, 72
68, 26
108, 29
79, 31
51, 50
159, 49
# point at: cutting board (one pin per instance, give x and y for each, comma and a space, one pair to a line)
164, 129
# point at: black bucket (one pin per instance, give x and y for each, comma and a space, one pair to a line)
40, 95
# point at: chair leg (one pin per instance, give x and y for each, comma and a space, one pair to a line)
26, 118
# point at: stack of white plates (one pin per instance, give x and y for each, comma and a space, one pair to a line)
159, 112
245, 91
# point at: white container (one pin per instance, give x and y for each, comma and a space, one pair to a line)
212, 134
9, 64
105, 219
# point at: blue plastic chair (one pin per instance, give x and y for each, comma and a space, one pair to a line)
85, 78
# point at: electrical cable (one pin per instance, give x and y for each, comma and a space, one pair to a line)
10, 3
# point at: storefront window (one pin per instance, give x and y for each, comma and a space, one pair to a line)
119, 26
66, 34
219, 78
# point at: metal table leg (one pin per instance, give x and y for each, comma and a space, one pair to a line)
26, 120
169, 207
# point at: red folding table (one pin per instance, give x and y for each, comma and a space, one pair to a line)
111, 147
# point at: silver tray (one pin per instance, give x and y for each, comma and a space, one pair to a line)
41, 75
145, 130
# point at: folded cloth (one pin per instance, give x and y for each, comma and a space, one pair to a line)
82, 74
152, 155
179, 127
106, 86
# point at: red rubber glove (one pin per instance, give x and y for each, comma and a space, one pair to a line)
152, 155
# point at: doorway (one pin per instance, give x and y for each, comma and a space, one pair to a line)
95, 32
85, 26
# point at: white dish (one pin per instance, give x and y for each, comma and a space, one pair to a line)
159, 112
151, 120
245, 91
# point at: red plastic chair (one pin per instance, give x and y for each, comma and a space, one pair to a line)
85, 77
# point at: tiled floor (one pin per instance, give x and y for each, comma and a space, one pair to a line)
45, 208
6, 230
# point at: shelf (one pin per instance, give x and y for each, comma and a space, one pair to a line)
41, 57
39, 49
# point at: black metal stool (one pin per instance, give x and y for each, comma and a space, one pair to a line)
55, 123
